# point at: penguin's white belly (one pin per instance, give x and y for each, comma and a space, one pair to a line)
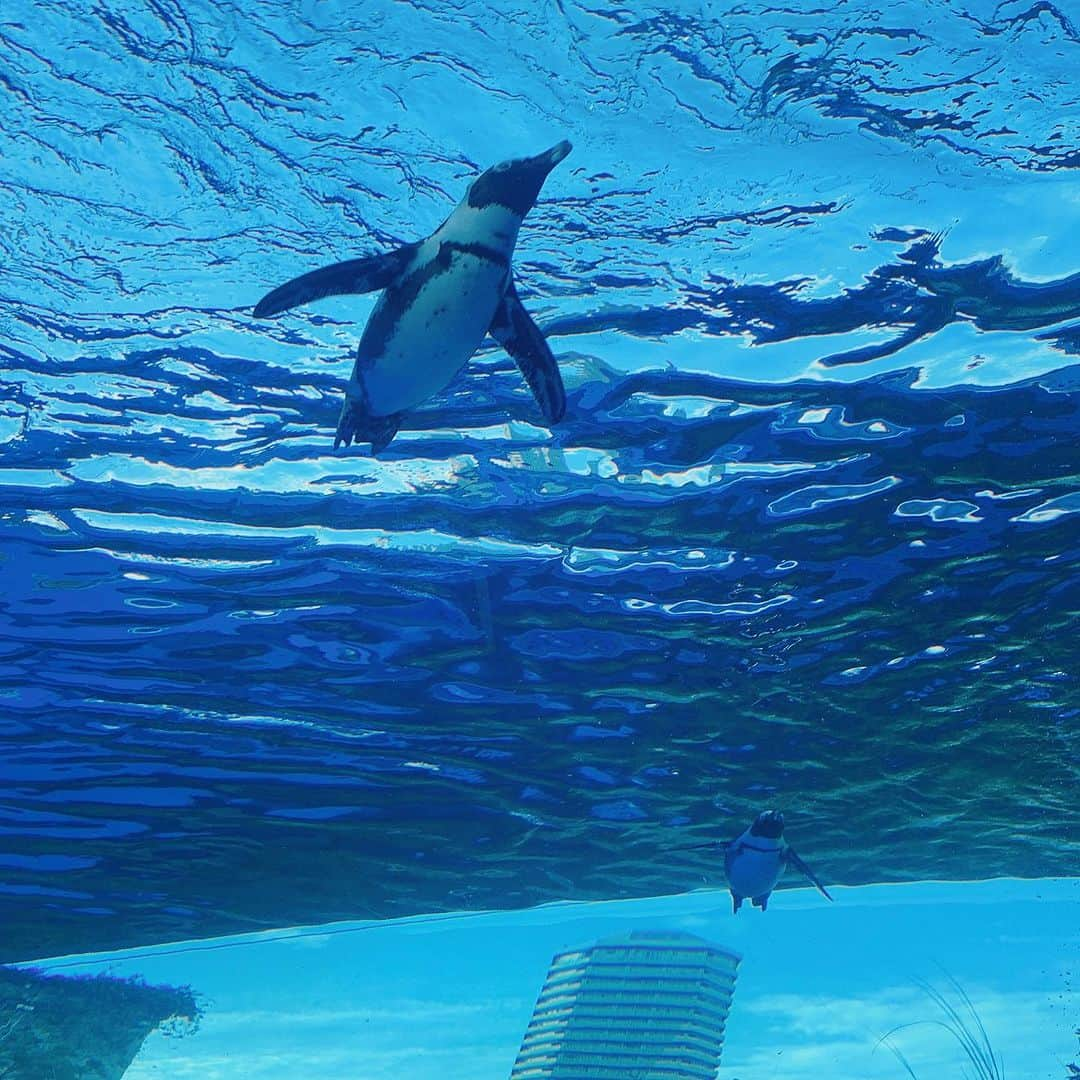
435, 335
754, 873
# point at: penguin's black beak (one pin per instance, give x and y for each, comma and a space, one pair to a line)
541, 164
556, 154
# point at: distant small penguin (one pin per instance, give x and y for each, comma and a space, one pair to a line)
756, 861
440, 297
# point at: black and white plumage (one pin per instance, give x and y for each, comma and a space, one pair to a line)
755, 862
441, 295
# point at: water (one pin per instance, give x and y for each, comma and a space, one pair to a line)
807, 536
817, 987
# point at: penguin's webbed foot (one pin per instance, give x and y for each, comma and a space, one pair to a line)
356, 424
349, 423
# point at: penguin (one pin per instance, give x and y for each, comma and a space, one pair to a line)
755, 862
440, 296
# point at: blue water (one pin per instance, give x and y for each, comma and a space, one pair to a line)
807, 536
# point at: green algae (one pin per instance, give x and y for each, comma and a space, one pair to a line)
56, 1027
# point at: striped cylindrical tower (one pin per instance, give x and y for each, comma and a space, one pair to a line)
643, 1006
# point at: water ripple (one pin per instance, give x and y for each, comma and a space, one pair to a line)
807, 535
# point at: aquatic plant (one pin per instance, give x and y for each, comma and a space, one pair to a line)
7, 1026
52, 1025
963, 1022
13, 1019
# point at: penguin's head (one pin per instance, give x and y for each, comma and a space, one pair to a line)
769, 823
516, 184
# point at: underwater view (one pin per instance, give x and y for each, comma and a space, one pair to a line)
539, 540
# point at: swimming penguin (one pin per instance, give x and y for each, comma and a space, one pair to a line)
755, 862
440, 297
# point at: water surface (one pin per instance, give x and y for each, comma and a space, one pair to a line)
807, 537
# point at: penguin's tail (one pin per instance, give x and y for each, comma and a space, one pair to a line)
357, 424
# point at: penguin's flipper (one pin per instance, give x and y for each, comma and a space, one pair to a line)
794, 860
352, 276
730, 851
515, 331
